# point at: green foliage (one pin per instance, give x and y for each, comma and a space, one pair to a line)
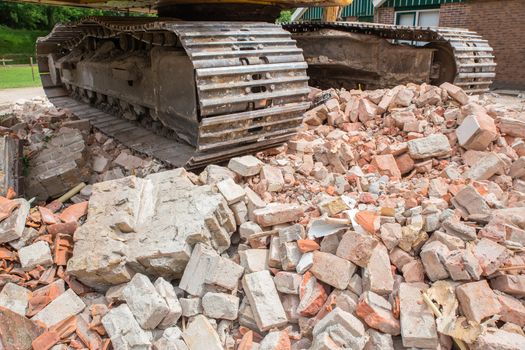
18, 41
285, 16
22, 23
44, 17
18, 76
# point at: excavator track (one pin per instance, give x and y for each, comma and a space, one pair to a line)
471, 57
250, 86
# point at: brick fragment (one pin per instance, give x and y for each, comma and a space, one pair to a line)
332, 269
517, 169
405, 163
512, 309
220, 306
386, 165
274, 177
367, 110
276, 341
16, 331
245, 165
264, 300
512, 126
307, 245
146, 304
167, 292
418, 326
46, 340
368, 220
356, 247
458, 229
463, 265
291, 233
477, 300
377, 313
312, 296
511, 284
123, 330
12, 227
435, 145
190, 306
455, 92
207, 267
287, 282
470, 200
254, 260
232, 192
477, 132
485, 167
348, 322
413, 271
377, 276
275, 213
379, 340
491, 255
433, 255
499, 339
15, 298
390, 234
74, 212
66, 305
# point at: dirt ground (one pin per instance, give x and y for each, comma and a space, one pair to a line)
8, 96
510, 100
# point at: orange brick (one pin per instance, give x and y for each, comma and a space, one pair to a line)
74, 212
45, 341
368, 220
307, 245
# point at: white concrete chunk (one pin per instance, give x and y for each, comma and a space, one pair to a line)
65, 305
200, 335
146, 304
15, 298
13, 226
124, 331
220, 305
232, 192
435, 145
264, 300
190, 306
418, 326
245, 165
35, 254
254, 260
166, 290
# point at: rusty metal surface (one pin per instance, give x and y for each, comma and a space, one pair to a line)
248, 80
464, 56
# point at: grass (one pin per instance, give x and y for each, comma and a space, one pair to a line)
18, 45
15, 76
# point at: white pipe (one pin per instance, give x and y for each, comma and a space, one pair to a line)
298, 13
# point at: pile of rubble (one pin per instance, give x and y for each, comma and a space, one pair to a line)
395, 219
61, 151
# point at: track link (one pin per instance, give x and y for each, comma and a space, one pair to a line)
474, 61
250, 79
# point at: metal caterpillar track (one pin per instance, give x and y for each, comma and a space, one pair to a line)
250, 82
472, 58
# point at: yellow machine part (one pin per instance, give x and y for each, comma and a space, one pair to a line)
150, 5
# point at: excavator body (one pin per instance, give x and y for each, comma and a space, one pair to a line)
210, 79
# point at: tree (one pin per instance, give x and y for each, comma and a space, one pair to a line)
285, 16
44, 17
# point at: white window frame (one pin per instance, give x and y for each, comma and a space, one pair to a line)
416, 12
